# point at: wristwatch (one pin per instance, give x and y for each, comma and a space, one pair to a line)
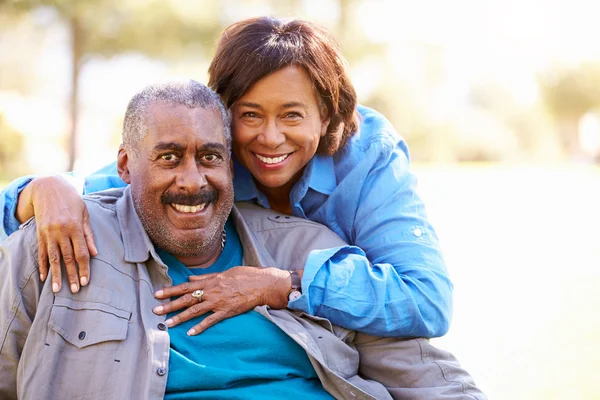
296, 290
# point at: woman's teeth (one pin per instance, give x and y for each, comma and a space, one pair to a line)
188, 209
271, 160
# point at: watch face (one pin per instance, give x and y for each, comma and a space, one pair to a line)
294, 295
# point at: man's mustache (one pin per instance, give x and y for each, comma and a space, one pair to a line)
205, 196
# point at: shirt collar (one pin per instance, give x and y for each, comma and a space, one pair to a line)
319, 175
138, 245
243, 183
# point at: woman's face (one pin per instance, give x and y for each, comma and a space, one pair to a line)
277, 125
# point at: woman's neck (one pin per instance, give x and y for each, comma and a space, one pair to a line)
279, 197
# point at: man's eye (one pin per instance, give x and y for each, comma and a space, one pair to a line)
170, 157
210, 157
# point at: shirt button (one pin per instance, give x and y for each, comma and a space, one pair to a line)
81, 335
417, 232
161, 371
162, 327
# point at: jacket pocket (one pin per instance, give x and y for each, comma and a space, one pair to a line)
84, 323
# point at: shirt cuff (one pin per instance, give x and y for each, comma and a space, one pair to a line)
314, 263
9, 198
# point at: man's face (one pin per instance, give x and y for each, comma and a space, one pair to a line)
181, 179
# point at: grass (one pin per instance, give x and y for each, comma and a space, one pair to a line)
521, 245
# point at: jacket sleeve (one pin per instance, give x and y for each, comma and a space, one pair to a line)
104, 178
19, 295
414, 369
398, 286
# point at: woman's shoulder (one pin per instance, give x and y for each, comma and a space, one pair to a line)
375, 128
376, 134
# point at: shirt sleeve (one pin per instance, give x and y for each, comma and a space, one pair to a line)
397, 285
8, 205
104, 178
19, 294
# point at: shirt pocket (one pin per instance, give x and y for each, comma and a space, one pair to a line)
84, 323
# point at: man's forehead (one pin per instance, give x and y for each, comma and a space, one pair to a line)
182, 123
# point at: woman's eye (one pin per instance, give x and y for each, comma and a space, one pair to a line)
249, 114
293, 115
169, 157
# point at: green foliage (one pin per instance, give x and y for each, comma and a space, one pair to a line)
10, 151
108, 27
157, 28
571, 92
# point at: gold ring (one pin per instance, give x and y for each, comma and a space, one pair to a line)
198, 294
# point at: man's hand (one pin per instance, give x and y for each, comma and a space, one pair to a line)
226, 294
63, 229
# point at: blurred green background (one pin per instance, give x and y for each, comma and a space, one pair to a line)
498, 100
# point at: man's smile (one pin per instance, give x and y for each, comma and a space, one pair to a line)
189, 209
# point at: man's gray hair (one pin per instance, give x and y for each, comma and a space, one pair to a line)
189, 93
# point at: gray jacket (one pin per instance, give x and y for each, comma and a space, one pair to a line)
106, 343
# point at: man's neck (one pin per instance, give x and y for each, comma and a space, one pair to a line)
204, 260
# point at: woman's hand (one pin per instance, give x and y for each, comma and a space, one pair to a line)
63, 229
226, 294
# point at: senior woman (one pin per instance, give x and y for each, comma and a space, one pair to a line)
302, 147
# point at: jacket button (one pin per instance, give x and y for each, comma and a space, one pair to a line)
417, 232
81, 335
162, 327
161, 371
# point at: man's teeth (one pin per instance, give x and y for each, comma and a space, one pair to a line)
188, 209
271, 160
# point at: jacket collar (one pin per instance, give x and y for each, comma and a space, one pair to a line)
138, 246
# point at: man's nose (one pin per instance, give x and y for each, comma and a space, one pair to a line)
191, 176
271, 136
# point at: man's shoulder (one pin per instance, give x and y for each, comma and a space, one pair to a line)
106, 199
25, 236
104, 213
287, 230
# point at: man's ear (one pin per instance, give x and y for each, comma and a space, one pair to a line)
123, 164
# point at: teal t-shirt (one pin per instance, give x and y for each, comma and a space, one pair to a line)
244, 357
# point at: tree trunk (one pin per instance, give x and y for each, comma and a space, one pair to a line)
569, 135
76, 56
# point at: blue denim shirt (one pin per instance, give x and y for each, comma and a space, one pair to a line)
397, 285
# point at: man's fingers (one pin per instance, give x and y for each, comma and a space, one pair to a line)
208, 322
184, 301
196, 310
68, 257
198, 278
54, 260
179, 290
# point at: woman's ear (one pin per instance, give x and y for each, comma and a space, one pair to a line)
324, 126
325, 118
123, 164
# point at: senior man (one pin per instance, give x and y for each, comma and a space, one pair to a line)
176, 219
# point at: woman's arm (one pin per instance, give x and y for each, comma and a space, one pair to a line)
62, 221
8, 205
399, 286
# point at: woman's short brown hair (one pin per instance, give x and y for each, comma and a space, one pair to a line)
251, 49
